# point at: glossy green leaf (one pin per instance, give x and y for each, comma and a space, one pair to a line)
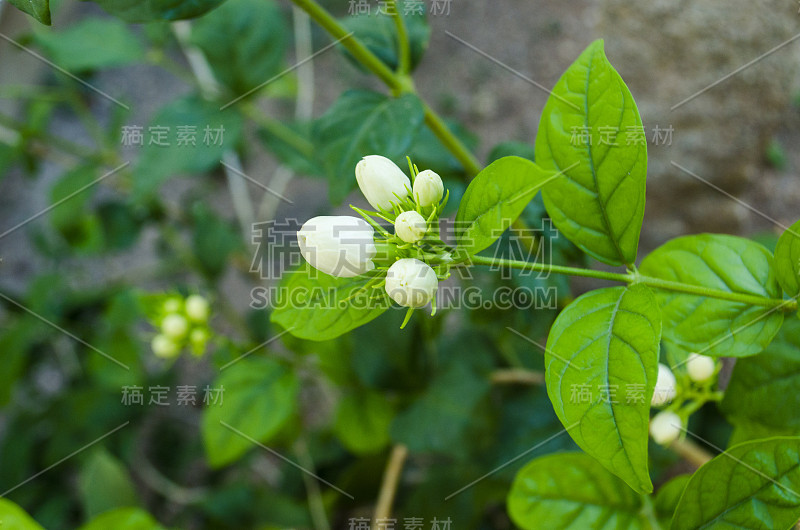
599, 205
150, 10
764, 389
362, 422
255, 55
12, 516
91, 44
364, 123
38, 9
495, 198
600, 367
104, 484
752, 485
379, 34
260, 396
123, 519
195, 133
787, 260
711, 326
573, 491
314, 305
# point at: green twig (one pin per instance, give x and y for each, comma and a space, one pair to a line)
403, 46
656, 283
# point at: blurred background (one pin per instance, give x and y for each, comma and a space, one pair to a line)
91, 255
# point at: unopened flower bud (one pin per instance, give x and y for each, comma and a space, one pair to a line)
173, 305
197, 308
665, 390
341, 245
665, 427
410, 226
700, 367
174, 326
381, 181
411, 282
164, 347
428, 188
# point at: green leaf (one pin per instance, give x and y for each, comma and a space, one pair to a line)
196, 118
494, 199
71, 218
362, 422
92, 44
787, 260
38, 9
314, 305
291, 143
747, 431
364, 123
764, 388
668, 495
711, 326
379, 33
213, 241
606, 342
123, 519
255, 55
572, 491
752, 485
438, 420
150, 10
104, 484
260, 396
599, 205
12, 516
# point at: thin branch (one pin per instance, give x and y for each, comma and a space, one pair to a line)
391, 478
691, 452
517, 376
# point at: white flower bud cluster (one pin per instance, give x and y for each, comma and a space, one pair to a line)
183, 322
345, 246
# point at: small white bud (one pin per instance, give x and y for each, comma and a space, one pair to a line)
665, 427
411, 282
197, 308
381, 181
164, 347
665, 390
174, 326
428, 188
700, 367
410, 226
341, 245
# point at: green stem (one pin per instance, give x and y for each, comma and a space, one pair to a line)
279, 130
403, 46
356, 48
397, 83
558, 269
634, 277
451, 142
